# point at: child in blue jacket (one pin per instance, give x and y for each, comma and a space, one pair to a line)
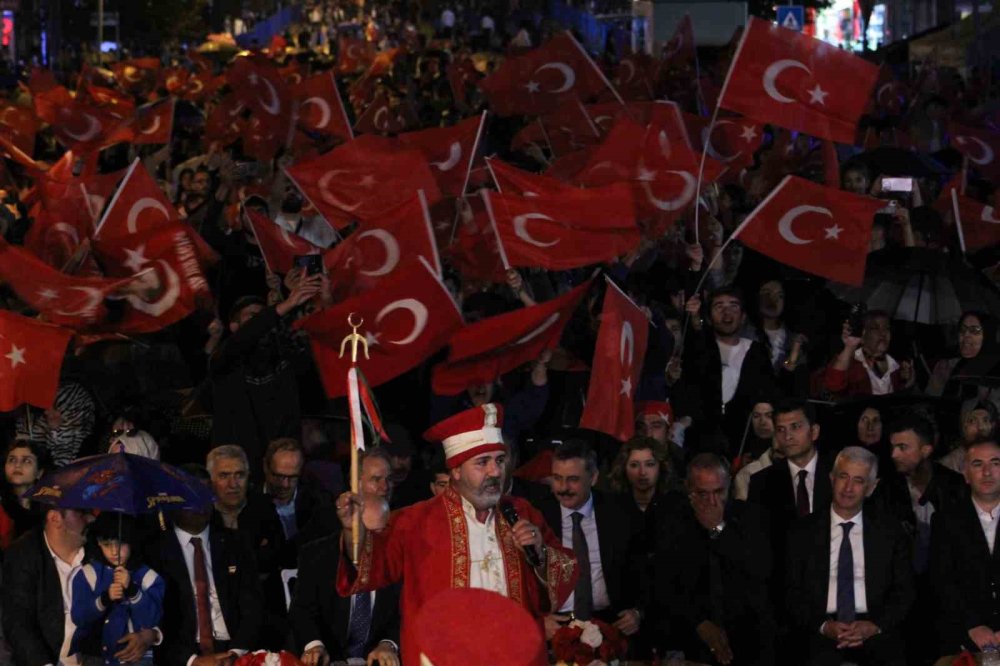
114, 593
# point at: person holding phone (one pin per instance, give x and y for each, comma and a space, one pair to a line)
864, 366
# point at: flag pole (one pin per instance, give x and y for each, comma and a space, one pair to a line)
357, 430
472, 153
614, 91
253, 230
485, 194
958, 219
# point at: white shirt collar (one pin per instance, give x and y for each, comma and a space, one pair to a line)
586, 510
185, 537
77, 559
810, 466
984, 514
470, 511
836, 520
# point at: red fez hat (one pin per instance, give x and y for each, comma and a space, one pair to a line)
537, 468
655, 408
469, 434
450, 628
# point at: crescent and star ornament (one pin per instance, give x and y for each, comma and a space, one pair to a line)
626, 339
544, 326
94, 298
93, 128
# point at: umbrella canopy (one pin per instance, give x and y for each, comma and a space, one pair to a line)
922, 286
892, 161
121, 482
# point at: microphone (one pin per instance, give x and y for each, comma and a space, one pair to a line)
509, 514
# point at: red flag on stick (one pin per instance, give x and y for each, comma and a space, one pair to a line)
833, 233
783, 77
449, 150
278, 245
31, 356
618, 357
320, 107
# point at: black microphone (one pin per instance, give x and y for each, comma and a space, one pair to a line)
509, 514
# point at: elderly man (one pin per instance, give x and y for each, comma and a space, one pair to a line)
457, 539
849, 575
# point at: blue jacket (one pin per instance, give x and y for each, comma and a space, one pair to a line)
92, 611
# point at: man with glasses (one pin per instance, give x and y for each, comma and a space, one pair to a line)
305, 512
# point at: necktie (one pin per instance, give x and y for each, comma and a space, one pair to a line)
361, 620
845, 577
583, 597
205, 636
802, 495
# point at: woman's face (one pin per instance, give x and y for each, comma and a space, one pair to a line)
642, 469
970, 337
976, 424
855, 181
870, 427
21, 467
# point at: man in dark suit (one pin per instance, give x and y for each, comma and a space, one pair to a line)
849, 577
600, 534
713, 563
213, 605
37, 569
723, 373
965, 562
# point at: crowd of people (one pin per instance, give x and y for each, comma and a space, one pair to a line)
810, 481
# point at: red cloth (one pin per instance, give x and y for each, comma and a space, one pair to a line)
854, 381
426, 547
31, 355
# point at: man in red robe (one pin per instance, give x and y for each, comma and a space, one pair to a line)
457, 539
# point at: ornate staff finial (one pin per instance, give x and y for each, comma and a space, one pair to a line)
354, 338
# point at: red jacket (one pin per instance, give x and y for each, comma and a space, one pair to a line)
855, 381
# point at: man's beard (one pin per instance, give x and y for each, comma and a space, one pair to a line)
488, 494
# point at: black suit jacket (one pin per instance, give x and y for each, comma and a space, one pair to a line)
620, 559
892, 495
889, 589
772, 490
318, 613
234, 572
33, 612
964, 574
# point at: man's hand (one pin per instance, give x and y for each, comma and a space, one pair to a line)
304, 290
317, 656
982, 636
347, 504
856, 633
135, 645
833, 629
628, 621
553, 623
514, 280
715, 638
525, 534
384, 654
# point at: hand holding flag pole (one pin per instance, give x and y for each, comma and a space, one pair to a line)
357, 433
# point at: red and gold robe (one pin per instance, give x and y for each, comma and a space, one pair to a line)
426, 547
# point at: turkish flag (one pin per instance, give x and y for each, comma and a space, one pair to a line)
19, 125
201, 85
833, 233
474, 251
635, 77
138, 203
980, 224
618, 357
511, 180
363, 179
55, 240
77, 125
31, 356
461, 73
379, 248
353, 54
566, 230
222, 123
174, 79
259, 86
118, 104
680, 51
154, 123
980, 146
278, 245
783, 77
320, 107
485, 350
569, 128
63, 299
604, 114
381, 117
449, 150
733, 140
137, 74
536, 82
405, 321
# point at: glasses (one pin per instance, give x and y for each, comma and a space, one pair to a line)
285, 478
705, 494
119, 432
970, 330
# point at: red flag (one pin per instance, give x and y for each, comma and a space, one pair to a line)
833, 234
137, 74
980, 226
449, 150
636, 76
980, 146
795, 81
54, 240
353, 54
154, 123
118, 104
511, 180
569, 128
733, 141
539, 80
485, 350
406, 320
278, 245
77, 124
259, 86
320, 107
474, 251
382, 118
20, 125
363, 179
567, 230
139, 203
680, 50
379, 248
31, 356
618, 357
222, 123
461, 73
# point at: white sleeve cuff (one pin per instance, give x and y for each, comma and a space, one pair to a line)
159, 636
392, 643
313, 644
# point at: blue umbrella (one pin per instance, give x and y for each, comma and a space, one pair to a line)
121, 482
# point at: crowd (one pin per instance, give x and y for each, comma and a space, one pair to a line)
809, 479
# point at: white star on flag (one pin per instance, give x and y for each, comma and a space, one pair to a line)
626, 387
371, 338
532, 86
749, 133
646, 175
16, 356
368, 181
135, 259
47, 294
817, 95
833, 232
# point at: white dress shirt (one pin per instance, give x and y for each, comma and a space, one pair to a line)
858, 554
988, 519
66, 571
486, 570
219, 630
732, 357
810, 469
589, 526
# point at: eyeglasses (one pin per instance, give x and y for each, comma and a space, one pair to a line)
119, 432
970, 330
285, 478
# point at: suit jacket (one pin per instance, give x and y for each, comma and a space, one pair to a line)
318, 613
620, 559
966, 577
234, 572
259, 524
892, 495
772, 490
33, 611
889, 588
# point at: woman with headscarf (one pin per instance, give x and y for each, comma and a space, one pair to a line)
978, 356
64, 426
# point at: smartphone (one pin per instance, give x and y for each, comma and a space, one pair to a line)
856, 319
311, 264
897, 185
